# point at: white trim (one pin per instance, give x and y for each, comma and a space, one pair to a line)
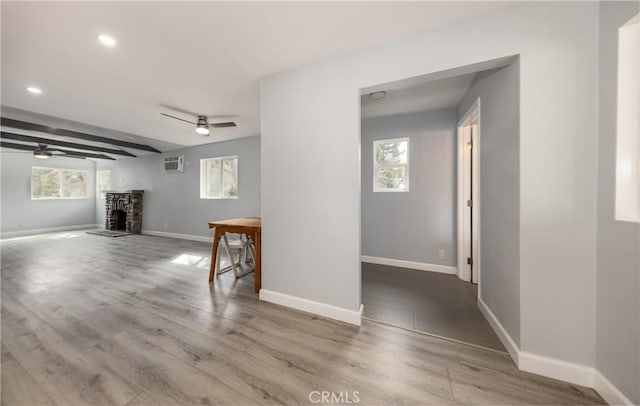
377, 189
471, 118
400, 263
505, 338
189, 237
203, 177
554, 368
557, 369
608, 391
35, 231
310, 306
60, 170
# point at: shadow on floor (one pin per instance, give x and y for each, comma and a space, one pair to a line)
428, 302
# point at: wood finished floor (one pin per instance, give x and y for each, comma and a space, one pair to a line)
90, 320
430, 302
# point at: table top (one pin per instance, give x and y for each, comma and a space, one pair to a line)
247, 222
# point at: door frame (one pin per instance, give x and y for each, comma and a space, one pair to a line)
470, 118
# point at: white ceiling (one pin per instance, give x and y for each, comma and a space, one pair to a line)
205, 57
427, 96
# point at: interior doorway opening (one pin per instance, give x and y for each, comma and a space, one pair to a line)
468, 135
420, 185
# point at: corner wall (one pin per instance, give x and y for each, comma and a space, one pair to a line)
618, 283
310, 124
20, 214
498, 91
414, 225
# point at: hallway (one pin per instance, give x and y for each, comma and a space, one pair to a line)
428, 302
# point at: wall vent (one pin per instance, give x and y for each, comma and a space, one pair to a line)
174, 164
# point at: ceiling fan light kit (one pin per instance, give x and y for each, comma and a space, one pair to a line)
202, 122
42, 154
203, 126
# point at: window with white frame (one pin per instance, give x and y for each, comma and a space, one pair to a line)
103, 182
54, 183
391, 165
627, 206
219, 178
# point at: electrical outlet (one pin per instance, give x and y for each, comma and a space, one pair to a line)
442, 254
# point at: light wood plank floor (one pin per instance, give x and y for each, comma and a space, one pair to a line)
90, 320
430, 302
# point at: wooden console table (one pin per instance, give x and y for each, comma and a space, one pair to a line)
251, 226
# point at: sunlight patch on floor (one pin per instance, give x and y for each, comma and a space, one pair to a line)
192, 260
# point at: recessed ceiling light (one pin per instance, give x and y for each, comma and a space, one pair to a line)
378, 95
107, 40
34, 90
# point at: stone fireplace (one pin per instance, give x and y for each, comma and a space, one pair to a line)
124, 211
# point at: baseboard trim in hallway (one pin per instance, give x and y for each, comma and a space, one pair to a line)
310, 306
555, 368
503, 336
435, 336
608, 391
400, 263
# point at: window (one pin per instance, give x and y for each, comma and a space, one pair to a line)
219, 178
52, 183
627, 207
103, 182
391, 165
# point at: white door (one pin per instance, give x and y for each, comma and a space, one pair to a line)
468, 196
466, 265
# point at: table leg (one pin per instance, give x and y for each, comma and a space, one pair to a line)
214, 253
258, 263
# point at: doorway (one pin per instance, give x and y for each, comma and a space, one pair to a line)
420, 156
468, 137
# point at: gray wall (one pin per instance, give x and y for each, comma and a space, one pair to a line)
413, 226
172, 202
498, 91
618, 278
317, 108
20, 213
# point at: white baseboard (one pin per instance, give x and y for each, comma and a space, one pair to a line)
505, 338
556, 369
400, 263
178, 236
310, 306
35, 231
608, 391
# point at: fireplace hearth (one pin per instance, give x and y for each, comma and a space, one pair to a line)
124, 211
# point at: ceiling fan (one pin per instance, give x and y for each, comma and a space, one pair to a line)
202, 122
42, 151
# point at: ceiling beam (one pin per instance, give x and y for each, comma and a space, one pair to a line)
47, 141
23, 147
23, 125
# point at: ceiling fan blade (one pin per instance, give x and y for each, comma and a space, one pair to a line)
223, 125
179, 110
70, 156
178, 118
220, 116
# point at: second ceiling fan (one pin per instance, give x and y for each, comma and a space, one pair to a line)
202, 122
